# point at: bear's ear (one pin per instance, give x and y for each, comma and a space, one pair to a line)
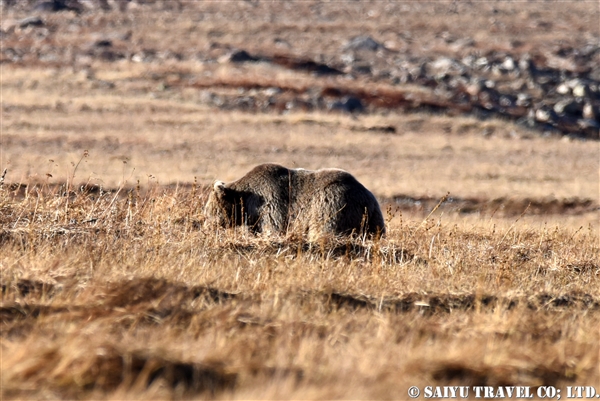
220, 189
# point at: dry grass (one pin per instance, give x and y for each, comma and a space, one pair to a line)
112, 289
154, 116
430, 155
108, 296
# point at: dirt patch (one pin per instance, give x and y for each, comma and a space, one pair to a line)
501, 207
446, 303
470, 375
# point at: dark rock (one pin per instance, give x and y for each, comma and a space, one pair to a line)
102, 84
363, 43
109, 55
104, 5
304, 65
317, 68
123, 5
507, 101
526, 121
299, 104
595, 74
545, 77
566, 123
461, 98
565, 51
523, 99
103, 43
488, 99
385, 129
242, 56
244, 103
458, 82
59, 5
12, 54
31, 21
364, 69
568, 106
349, 104
588, 123
589, 128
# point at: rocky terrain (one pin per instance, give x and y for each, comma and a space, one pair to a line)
530, 68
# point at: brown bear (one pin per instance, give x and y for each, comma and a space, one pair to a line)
274, 199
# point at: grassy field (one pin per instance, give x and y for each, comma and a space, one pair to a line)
127, 297
113, 289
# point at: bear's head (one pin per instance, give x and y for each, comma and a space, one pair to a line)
228, 207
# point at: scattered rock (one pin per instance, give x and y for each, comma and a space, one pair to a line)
587, 123
568, 106
304, 65
241, 56
59, 5
349, 104
523, 99
363, 43
554, 90
508, 64
591, 112
282, 43
31, 21
363, 69
563, 89
103, 43
580, 90
385, 129
544, 114
104, 5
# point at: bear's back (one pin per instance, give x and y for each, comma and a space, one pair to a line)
310, 181
265, 179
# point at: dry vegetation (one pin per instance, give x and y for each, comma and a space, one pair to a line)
127, 296
112, 288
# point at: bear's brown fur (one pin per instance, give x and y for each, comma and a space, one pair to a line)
274, 199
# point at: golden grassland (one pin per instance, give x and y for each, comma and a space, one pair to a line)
174, 140
109, 297
113, 289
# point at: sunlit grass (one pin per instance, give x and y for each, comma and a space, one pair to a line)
115, 294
